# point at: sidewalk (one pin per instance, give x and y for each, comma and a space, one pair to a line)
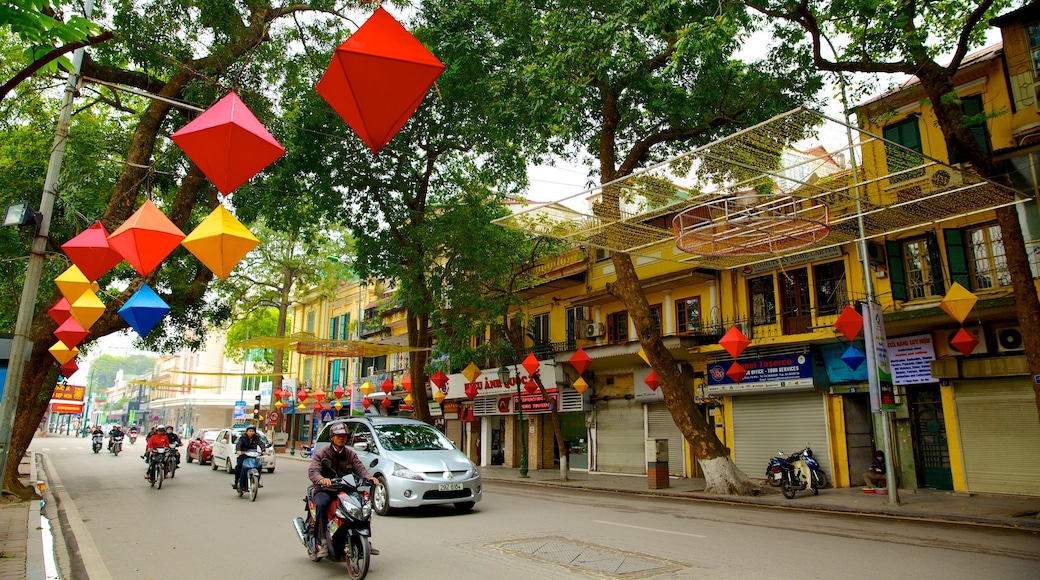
21, 544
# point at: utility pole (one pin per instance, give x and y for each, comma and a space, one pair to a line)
26, 308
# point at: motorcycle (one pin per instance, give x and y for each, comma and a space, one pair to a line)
115, 444
98, 441
349, 523
249, 480
157, 462
800, 471
133, 437
171, 459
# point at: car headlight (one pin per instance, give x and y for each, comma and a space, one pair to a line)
404, 473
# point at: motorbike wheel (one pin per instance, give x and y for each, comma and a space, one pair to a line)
358, 556
819, 479
789, 490
116, 450
172, 467
151, 477
160, 475
254, 484
771, 477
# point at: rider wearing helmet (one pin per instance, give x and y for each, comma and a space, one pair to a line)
247, 442
156, 441
174, 439
344, 461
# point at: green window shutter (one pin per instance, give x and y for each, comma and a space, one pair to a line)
344, 324
896, 274
957, 256
935, 264
333, 328
335, 372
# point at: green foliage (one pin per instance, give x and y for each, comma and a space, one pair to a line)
103, 369
41, 26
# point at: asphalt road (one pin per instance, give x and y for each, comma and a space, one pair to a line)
197, 527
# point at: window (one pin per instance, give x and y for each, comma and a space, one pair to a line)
988, 264
335, 370
763, 300
574, 314
973, 108
1033, 34
310, 322
655, 318
617, 327
344, 325
334, 328
688, 314
538, 327
921, 269
907, 134
831, 287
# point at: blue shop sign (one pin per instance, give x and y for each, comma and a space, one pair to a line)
778, 373
838, 371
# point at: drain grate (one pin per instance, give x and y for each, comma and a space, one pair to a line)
589, 558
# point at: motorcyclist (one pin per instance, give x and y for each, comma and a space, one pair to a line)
156, 441
344, 461
115, 433
247, 442
133, 433
174, 439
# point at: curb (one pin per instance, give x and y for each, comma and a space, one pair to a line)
34, 566
79, 543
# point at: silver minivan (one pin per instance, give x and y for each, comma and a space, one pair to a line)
416, 464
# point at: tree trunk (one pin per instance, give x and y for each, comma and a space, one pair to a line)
419, 337
561, 445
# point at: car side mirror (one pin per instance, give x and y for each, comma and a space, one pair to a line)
361, 445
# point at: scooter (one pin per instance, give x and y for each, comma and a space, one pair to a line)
249, 480
171, 459
157, 466
98, 442
801, 471
115, 444
349, 523
133, 437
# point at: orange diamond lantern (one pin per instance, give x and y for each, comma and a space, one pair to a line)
366, 388
228, 144
734, 342
87, 309
146, 238
378, 78
580, 385
220, 242
72, 283
91, 253
62, 353
319, 395
438, 395
531, 364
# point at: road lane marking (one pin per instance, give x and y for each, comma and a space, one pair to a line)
648, 529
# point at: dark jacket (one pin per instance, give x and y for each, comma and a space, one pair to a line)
174, 439
249, 443
877, 466
344, 461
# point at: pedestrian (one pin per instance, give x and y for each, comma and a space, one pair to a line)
875, 476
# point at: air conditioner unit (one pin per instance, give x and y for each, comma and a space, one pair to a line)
592, 330
1009, 339
975, 331
876, 253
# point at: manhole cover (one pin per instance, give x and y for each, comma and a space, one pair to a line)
589, 558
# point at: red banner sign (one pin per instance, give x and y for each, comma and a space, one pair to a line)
68, 393
536, 403
66, 408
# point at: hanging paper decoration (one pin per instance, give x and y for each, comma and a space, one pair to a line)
278, 394
471, 372
849, 323
652, 381
301, 407
338, 391
87, 309
531, 364
964, 342
144, 310
580, 385
580, 361
734, 342
438, 395
439, 379
408, 399
62, 353
72, 283
853, 357
366, 403
228, 144
318, 407
378, 78
68, 369
387, 386
531, 386
366, 388
337, 405
61, 311
301, 395
70, 332
386, 402
318, 395
146, 238
220, 242
91, 253
736, 372
278, 405
958, 302
642, 355
471, 390
406, 382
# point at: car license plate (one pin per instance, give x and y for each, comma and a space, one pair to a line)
449, 487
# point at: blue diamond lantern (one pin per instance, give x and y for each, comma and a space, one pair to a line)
144, 310
853, 357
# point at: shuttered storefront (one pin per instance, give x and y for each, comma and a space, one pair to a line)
660, 425
1000, 435
766, 423
620, 445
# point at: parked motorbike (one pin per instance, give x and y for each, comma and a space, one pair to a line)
249, 478
157, 462
98, 442
799, 471
349, 523
115, 444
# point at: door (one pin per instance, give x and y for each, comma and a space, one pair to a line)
796, 315
931, 452
859, 440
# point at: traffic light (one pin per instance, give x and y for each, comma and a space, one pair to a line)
256, 408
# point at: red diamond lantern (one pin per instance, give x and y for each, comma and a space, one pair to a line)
964, 342
580, 361
61, 311
146, 238
301, 395
338, 391
91, 253
366, 403
471, 390
71, 332
652, 381
68, 369
406, 382
531, 364
849, 323
318, 407
378, 78
439, 379
386, 402
387, 386
531, 386
319, 395
228, 144
734, 342
736, 372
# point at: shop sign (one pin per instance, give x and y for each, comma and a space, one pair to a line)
240, 410
910, 359
68, 393
536, 403
791, 261
66, 408
778, 373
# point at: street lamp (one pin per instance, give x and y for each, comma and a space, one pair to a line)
503, 376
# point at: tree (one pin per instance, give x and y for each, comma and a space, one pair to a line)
910, 38
627, 84
105, 368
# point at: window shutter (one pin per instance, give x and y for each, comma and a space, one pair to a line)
896, 274
344, 325
935, 264
336, 364
957, 256
333, 328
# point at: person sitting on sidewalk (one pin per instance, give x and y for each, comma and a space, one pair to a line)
875, 476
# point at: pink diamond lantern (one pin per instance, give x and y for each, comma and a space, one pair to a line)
378, 78
228, 144
91, 253
71, 332
652, 381
580, 361
736, 372
61, 311
146, 238
734, 342
338, 391
849, 323
531, 364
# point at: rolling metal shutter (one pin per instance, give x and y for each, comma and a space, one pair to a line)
764, 424
661, 426
1000, 436
620, 445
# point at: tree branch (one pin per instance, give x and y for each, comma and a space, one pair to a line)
48, 58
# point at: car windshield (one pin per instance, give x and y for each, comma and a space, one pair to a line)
411, 438
210, 435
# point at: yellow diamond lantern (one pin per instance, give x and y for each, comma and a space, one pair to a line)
87, 309
958, 302
220, 242
438, 395
471, 372
301, 407
366, 388
338, 405
278, 404
642, 355
580, 385
408, 399
72, 283
62, 353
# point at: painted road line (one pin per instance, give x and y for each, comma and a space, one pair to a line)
648, 529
